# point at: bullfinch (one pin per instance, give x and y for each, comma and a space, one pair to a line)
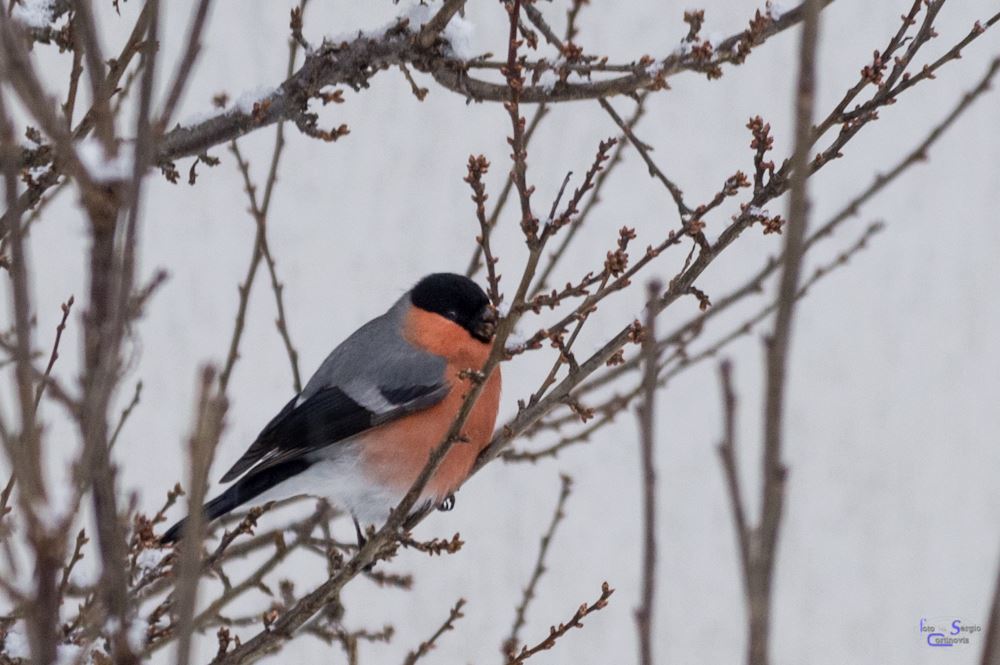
363, 427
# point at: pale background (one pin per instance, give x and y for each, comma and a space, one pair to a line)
892, 503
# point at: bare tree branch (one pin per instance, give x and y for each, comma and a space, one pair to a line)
186, 63
556, 632
24, 450
991, 640
763, 543
727, 451
261, 250
66, 306
144, 586
509, 647
449, 624
208, 426
647, 442
439, 22
353, 63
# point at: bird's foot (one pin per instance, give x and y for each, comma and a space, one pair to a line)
361, 536
447, 504
361, 543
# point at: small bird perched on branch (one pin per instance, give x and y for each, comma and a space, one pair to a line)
362, 429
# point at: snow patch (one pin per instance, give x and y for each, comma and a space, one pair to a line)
86, 573
100, 167
36, 173
775, 9
35, 13
416, 16
68, 654
547, 81
135, 635
199, 117
458, 33
244, 103
16, 646
515, 340
150, 559
684, 48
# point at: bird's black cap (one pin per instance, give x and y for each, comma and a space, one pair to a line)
457, 298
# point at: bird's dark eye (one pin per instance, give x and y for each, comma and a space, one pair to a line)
451, 314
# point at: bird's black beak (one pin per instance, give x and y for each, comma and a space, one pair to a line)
486, 326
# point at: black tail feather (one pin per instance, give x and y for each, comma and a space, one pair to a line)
245, 489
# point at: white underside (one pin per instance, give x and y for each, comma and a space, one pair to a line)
343, 482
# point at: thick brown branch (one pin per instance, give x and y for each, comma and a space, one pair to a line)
354, 63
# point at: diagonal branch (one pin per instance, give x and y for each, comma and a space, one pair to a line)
557, 632
439, 22
187, 62
511, 643
425, 647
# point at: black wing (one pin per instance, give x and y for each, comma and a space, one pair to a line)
326, 417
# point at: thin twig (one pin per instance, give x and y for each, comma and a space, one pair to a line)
918, 155
449, 624
183, 74
520, 614
535, 16
86, 27
263, 250
478, 166
542, 283
727, 452
126, 412
556, 632
681, 360
260, 248
475, 263
54, 355
643, 149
